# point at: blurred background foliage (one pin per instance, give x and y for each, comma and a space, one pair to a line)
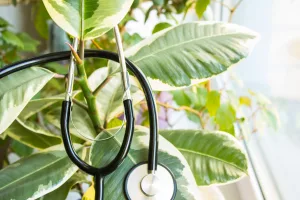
222, 103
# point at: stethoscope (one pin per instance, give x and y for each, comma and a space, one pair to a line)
146, 180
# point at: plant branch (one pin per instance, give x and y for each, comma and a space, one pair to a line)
181, 108
89, 97
80, 104
232, 11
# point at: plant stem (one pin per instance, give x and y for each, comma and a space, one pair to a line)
181, 108
89, 97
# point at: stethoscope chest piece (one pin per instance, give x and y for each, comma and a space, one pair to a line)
141, 185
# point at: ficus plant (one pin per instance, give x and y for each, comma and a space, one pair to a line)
179, 61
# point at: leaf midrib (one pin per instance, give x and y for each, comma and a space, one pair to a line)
120, 144
46, 166
12, 89
212, 157
183, 43
129, 155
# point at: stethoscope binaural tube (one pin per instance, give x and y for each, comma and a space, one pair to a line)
59, 56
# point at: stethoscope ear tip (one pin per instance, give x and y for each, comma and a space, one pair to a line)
142, 185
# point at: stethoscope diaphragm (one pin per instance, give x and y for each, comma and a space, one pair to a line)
142, 185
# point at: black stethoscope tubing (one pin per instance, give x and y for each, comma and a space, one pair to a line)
99, 173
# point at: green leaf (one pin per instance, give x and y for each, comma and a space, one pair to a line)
62, 192
214, 156
179, 6
114, 123
161, 26
87, 19
110, 98
37, 105
36, 175
201, 6
11, 38
193, 117
225, 117
158, 2
80, 122
130, 40
11, 56
135, 4
244, 100
189, 53
17, 89
29, 44
168, 155
32, 135
202, 94
41, 20
14, 2
21, 149
3, 23
198, 97
181, 98
57, 68
213, 102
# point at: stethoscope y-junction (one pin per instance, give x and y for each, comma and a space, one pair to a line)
146, 180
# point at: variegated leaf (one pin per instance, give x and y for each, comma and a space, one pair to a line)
215, 157
38, 105
168, 155
32, 135
87, 19
17, 89
36, 175
190, 53
62, 192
